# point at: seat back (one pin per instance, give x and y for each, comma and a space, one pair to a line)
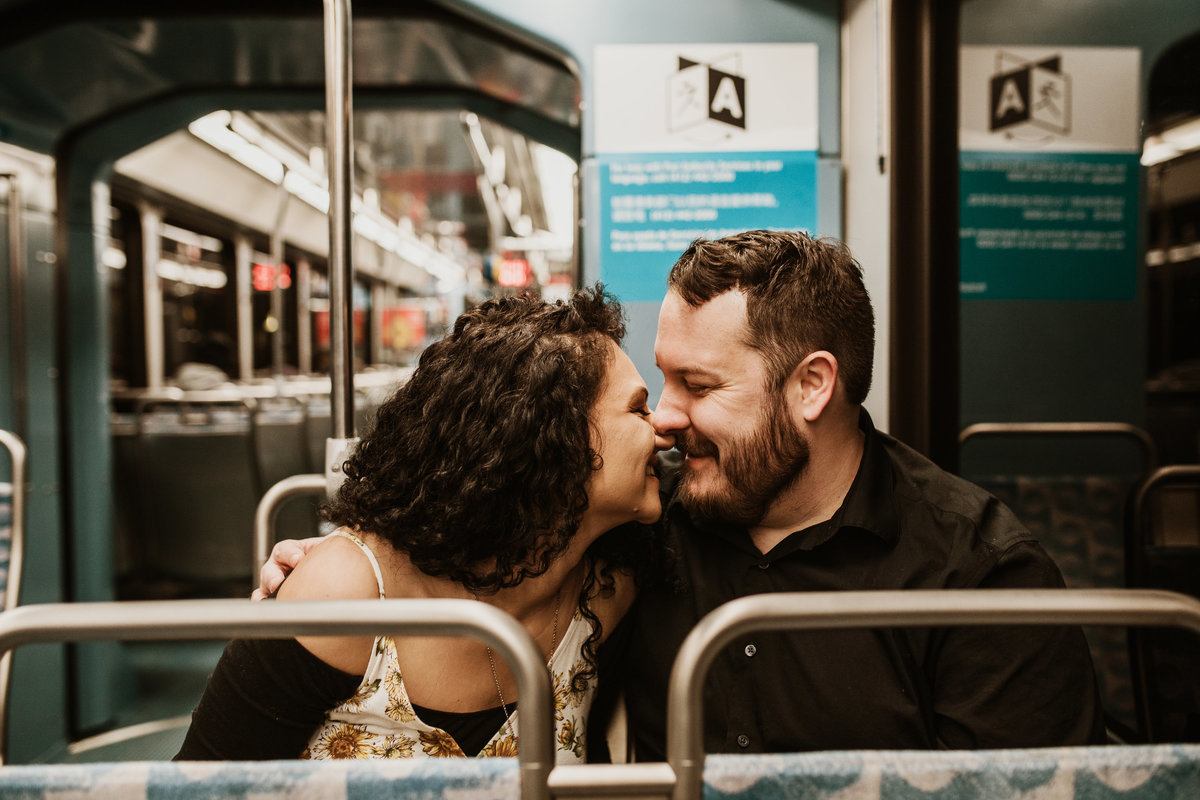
220, 619
198, 486
12, 549
281, 451
1164, 553
890, 609
12, 522
1069, 483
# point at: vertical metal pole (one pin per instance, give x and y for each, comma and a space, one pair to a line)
302, 280
341, 176
243, 256
277, 337
340, 162
379, 303
16, 305
152, 295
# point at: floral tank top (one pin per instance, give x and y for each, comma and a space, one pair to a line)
379, 720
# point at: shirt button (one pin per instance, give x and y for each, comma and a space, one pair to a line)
764, 564
751, 650
743, 740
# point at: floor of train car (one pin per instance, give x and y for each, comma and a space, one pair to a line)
169, 678
166, 679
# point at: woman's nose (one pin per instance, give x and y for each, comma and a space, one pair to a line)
662, 441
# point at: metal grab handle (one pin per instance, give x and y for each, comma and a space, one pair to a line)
1175, 474
886, 609
221, 619
268, 509
981, 429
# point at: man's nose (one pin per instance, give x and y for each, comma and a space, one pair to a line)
669, 415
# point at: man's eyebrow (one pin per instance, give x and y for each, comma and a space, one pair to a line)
696, 372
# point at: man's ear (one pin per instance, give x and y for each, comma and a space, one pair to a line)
811, 385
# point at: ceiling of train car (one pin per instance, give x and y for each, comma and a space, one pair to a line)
414, 146
71, 75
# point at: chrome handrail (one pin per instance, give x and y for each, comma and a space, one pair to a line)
886, 609
268, 509
1163, 476
981, 429
221, 619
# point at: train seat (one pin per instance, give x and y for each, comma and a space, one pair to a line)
1069, 773
12, 523
6, 496
1069, 483
281, 450
198, 487
266, 780
1164, 553
1143, 771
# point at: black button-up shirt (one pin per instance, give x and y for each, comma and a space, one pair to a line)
904, 524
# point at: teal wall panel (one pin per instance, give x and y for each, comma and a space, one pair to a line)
1049, 359
39, 672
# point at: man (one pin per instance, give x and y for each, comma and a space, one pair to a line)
781, 483
765, 340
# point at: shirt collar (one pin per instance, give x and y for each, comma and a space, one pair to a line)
870, 504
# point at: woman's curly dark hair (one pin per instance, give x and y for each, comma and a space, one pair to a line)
476, 468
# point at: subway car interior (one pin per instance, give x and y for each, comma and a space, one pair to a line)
1020, 182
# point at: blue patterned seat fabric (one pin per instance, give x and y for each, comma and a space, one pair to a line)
1138, 772
404, 779
5, 536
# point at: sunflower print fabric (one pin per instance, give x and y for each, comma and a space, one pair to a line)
379, 720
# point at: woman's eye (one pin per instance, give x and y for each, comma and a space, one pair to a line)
642, 412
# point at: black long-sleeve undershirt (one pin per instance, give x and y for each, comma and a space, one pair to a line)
264, 700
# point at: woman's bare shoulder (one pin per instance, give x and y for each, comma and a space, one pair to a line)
336, 569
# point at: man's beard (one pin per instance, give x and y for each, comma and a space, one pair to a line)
755, 470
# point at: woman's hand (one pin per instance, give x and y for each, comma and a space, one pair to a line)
285, 555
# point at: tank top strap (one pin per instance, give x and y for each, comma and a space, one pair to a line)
370, 557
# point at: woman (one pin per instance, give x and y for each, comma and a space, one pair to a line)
503, 471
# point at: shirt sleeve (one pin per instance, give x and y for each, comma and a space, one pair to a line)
1012, 686
264, 700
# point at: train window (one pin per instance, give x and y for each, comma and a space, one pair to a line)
197, 300
1171, 161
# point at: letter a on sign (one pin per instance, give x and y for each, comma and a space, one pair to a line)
1010, 100
725, 99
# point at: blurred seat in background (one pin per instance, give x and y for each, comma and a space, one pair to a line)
1070, 483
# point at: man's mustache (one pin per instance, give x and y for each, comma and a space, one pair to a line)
695, 446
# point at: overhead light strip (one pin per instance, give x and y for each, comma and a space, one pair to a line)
232, 134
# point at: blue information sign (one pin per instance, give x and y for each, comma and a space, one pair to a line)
653, 206
1053, 226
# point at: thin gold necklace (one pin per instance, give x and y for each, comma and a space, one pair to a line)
496, 678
